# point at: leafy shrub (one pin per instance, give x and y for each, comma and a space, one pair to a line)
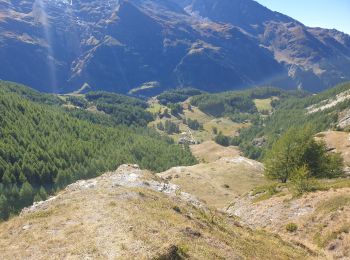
302, 182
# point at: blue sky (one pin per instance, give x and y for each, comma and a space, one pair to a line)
315, 13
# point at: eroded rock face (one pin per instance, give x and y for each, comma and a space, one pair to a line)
58, 45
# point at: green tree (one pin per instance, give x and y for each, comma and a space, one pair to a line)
297, 148
4, 207
222, 139
160, 126
26, 194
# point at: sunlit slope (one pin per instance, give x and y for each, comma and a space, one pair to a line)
129, 214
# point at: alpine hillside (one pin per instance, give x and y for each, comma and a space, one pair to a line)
151, 45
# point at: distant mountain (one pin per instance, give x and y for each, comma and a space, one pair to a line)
214, 45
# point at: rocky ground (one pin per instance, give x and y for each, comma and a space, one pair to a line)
322, 218
131, 214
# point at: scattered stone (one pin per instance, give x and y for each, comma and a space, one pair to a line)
26, 227
332, 246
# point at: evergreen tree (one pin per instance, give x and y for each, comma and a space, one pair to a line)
4, 207
26, 194
222, 139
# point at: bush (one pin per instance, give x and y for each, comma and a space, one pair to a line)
194, 124
301, 181
222, 139
176, 109
171, 127
291, 227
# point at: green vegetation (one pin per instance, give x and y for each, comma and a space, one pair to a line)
43, 149
123, 109
238, 104
265, 192
176, 109
177, 95
224, 104
291, 227
118, 109
78, 101
289, 111
194, 124
297, 155
302, 181
30, 94
171, 127
222, 140
264, 105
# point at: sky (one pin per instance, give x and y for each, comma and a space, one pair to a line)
331, 14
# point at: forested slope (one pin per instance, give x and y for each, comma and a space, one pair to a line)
42, 149
320, 111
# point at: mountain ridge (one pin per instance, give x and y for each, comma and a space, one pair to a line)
121, 45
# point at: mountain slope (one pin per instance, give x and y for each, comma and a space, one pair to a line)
122, 45
130, 214
43, 148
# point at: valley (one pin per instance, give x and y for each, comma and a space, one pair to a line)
202, 200
174, 129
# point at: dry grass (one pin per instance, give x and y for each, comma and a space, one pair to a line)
263, 104
210, 151
322, 217
106, 222
221, 177
338, 140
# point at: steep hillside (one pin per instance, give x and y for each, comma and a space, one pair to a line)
320, 220
151, 45
324, 111
130, 214
43, 148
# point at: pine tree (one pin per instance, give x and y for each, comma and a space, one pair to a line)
26, 194
4, 207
